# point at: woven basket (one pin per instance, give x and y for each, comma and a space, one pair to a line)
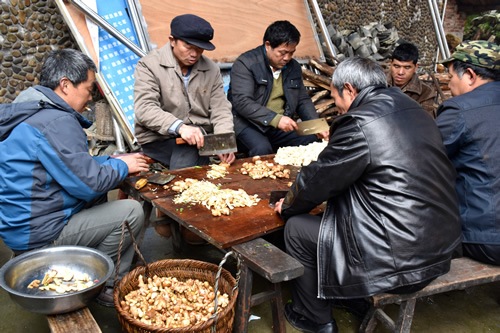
182, 269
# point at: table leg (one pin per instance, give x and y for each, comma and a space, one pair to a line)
243, 303
147, 206
176, 237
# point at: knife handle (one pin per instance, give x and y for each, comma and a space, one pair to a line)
180, 141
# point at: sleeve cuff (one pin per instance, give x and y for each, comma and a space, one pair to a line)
174, 128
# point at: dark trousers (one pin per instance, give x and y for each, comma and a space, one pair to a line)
301, 242
174, 156
489, 254
254, 142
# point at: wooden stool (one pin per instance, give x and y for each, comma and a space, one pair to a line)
464, 273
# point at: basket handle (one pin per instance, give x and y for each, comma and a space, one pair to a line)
126, 225
217, 278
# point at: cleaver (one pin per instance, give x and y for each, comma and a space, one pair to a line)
216, 144
275, 196
314, 126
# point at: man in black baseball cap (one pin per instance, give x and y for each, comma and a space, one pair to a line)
179, 92
193, 30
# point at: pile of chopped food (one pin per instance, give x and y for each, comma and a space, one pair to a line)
300, 155
217, 171
219, 201
167, 302
62, 281
258, 169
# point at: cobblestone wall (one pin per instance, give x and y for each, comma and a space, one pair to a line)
412, 19
28, 30
31, 28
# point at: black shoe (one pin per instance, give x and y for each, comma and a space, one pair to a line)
303, 324
105, 298
357, 306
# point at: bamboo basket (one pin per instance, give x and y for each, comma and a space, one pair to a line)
182, 269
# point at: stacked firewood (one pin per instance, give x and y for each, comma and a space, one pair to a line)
317, 77
317, 80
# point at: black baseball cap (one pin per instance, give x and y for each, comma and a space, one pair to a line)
193, 30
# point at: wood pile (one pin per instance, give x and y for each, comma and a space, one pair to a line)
317, 81
317, 77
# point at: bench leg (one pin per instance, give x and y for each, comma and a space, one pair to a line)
243, 303
402, 325
369, 322
278, 310
405, 318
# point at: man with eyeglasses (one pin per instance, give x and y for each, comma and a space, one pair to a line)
268, 94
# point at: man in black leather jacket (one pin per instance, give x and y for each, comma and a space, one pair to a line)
391, 221
267, 94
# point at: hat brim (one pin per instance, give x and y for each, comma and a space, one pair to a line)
200, 43
446, 61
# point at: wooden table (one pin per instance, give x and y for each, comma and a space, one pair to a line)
235, 230
223, 231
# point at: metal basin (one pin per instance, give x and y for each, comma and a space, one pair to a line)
17, 274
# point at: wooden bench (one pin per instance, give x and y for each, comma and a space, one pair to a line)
464, 273
79, 321
276, 266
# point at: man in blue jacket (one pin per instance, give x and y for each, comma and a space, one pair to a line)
469, 124
52, 192
268, 95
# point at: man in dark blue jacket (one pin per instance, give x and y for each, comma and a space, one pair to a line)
52, 192
469, 124
268, 95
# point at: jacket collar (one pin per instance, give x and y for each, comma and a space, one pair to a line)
413, 86
359, 100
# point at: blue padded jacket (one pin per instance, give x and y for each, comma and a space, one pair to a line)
46, 171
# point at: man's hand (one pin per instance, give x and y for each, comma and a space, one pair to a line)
286, 124
192, 135
135, 162
277, 205
227, 158
324, 135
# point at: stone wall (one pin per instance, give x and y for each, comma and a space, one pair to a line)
31, 28
28, 30
411, 18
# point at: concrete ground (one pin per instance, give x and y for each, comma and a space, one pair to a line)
470, 311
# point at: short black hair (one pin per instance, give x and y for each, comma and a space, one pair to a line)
69, 63
406, 52
281, 32
460, 68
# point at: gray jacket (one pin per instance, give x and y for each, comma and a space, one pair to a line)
160, 97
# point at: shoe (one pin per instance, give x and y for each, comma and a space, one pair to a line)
357, 306
106, 297
303, 324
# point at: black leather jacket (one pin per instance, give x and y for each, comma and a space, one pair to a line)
392, 213
251, 85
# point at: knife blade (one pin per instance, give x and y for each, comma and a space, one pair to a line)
275, 196
314, 126
215, 144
